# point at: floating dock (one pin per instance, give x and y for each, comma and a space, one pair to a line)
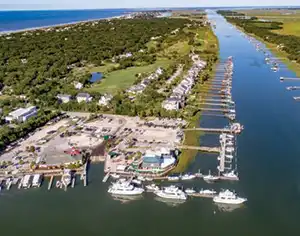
73, 182
50, 182
201, 195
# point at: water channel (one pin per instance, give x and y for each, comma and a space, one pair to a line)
268, 166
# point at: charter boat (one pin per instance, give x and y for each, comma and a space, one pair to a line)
152, 187
171, 192
124, 188
66, 178
231, 175
187, 177
210, 178
228, 197
207, 192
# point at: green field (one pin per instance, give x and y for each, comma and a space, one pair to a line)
118, 80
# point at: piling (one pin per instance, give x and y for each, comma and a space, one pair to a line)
50, 182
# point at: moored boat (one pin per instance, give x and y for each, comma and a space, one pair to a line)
228, 197
171, 192
124, 188
152, 187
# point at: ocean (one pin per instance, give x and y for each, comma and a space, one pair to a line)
19, 20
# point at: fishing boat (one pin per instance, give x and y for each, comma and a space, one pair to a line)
210, 178
152, 187
171, 192
228, 197
231, 175
188, 177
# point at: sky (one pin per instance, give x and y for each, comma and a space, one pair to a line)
87, 4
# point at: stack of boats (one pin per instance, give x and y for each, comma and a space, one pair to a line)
124, 187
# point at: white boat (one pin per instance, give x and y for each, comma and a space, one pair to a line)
231, 175
58, 184
189, 191
228, 197
207, 192
210, 178
124, 188
152, 187
66, 178
229, 135
229, 156
26, 181
148, 179
230, 149
37, 180
171, 192
136, 181
173, 178
187, 177
115, 176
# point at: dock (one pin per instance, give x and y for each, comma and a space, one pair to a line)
214, 109
50, 182
201, 195
215, 104
106, 177
287, 78
201, 148
73, 182
212, 130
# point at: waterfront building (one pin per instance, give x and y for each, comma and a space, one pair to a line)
21, 114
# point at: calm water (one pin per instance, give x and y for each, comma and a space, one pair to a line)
268, 163
17, 20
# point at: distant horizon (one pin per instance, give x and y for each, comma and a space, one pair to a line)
145, 8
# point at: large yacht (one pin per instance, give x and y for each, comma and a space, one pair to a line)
124, 188
228, 197
171, 192
66, 178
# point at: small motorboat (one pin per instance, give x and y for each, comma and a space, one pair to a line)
188, 177
207, 192
189, 191
173, 178
210, 177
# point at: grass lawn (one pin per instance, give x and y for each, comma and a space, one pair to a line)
2, 97
122, 79
290, 27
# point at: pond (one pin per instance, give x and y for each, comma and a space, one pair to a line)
96, 76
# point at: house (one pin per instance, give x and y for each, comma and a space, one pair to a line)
105, 99
21, 114
83, 97
78, 85
64, 98
171, 104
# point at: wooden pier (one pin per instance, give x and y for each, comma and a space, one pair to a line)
50, 182
212, 130
200, 148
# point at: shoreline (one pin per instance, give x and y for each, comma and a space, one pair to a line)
61, 24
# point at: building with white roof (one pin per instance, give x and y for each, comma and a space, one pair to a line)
83, 97
105, 99
64, 98
21, 114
